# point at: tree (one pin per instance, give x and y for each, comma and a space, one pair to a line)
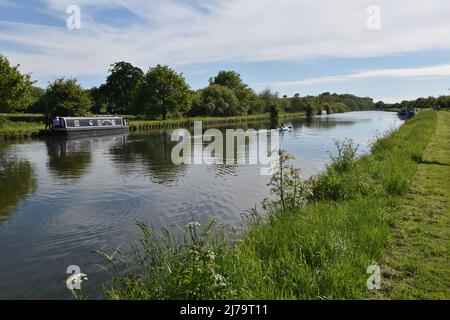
269, 99
256, 105
296, 103
311, 111
99, 100
15, 88
162, 92
65, 97
379, 105
36, 95
121, 84
274, 112
216, 100
232, 80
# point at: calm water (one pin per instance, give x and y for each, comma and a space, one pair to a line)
62, 199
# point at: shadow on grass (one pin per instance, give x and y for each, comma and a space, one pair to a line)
418, 159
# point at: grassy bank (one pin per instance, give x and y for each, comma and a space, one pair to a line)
24, 125
19, 129
320, 250
417, 265
23, 117
140, 125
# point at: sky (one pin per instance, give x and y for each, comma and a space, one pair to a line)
389, 50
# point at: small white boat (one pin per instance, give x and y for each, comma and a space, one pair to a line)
286, 128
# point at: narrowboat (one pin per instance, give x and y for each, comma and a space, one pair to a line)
407, 113
95, 125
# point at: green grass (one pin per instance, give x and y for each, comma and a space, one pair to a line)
13, 129
136, 124
320, 251
22, 117
17, 124
417, 265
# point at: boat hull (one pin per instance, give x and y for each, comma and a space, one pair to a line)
89, 131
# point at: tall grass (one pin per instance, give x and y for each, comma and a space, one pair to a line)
15, 129
320, 250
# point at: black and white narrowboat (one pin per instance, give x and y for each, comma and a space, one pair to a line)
89, 125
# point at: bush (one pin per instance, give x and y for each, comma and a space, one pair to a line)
292, 193
189, 265
346, 155
65, 97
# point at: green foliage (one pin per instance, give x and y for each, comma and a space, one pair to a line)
232, 80
217, 100
163, 92
120, 87
99, 100
269, 100
192, 264
274, 112
17, 180
381, 174
65, 97
35, 106
297, 104
256, 106
422, 103
311, 111
346, 155
18, 128
15, 88
286, 185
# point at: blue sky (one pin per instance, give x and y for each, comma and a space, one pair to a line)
289, 46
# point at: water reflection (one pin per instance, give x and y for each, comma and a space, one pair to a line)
68, 158
17, 181
150, 154
153, 151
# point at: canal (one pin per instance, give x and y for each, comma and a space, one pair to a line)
62, 199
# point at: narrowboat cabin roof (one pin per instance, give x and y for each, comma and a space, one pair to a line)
92, 117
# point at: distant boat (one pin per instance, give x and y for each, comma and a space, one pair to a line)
407, 113
286, 128
89, 125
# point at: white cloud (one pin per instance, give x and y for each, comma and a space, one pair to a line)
422, 73
173, 32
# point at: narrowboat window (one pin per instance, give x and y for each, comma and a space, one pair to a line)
113, 122
77, 123
99, 122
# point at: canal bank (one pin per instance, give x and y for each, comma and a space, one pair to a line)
319, 251
417, 265
11, 130
29, 126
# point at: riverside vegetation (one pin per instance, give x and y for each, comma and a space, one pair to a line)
161, 98
315, 241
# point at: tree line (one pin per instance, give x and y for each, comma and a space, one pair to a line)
162, 93
422, 103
